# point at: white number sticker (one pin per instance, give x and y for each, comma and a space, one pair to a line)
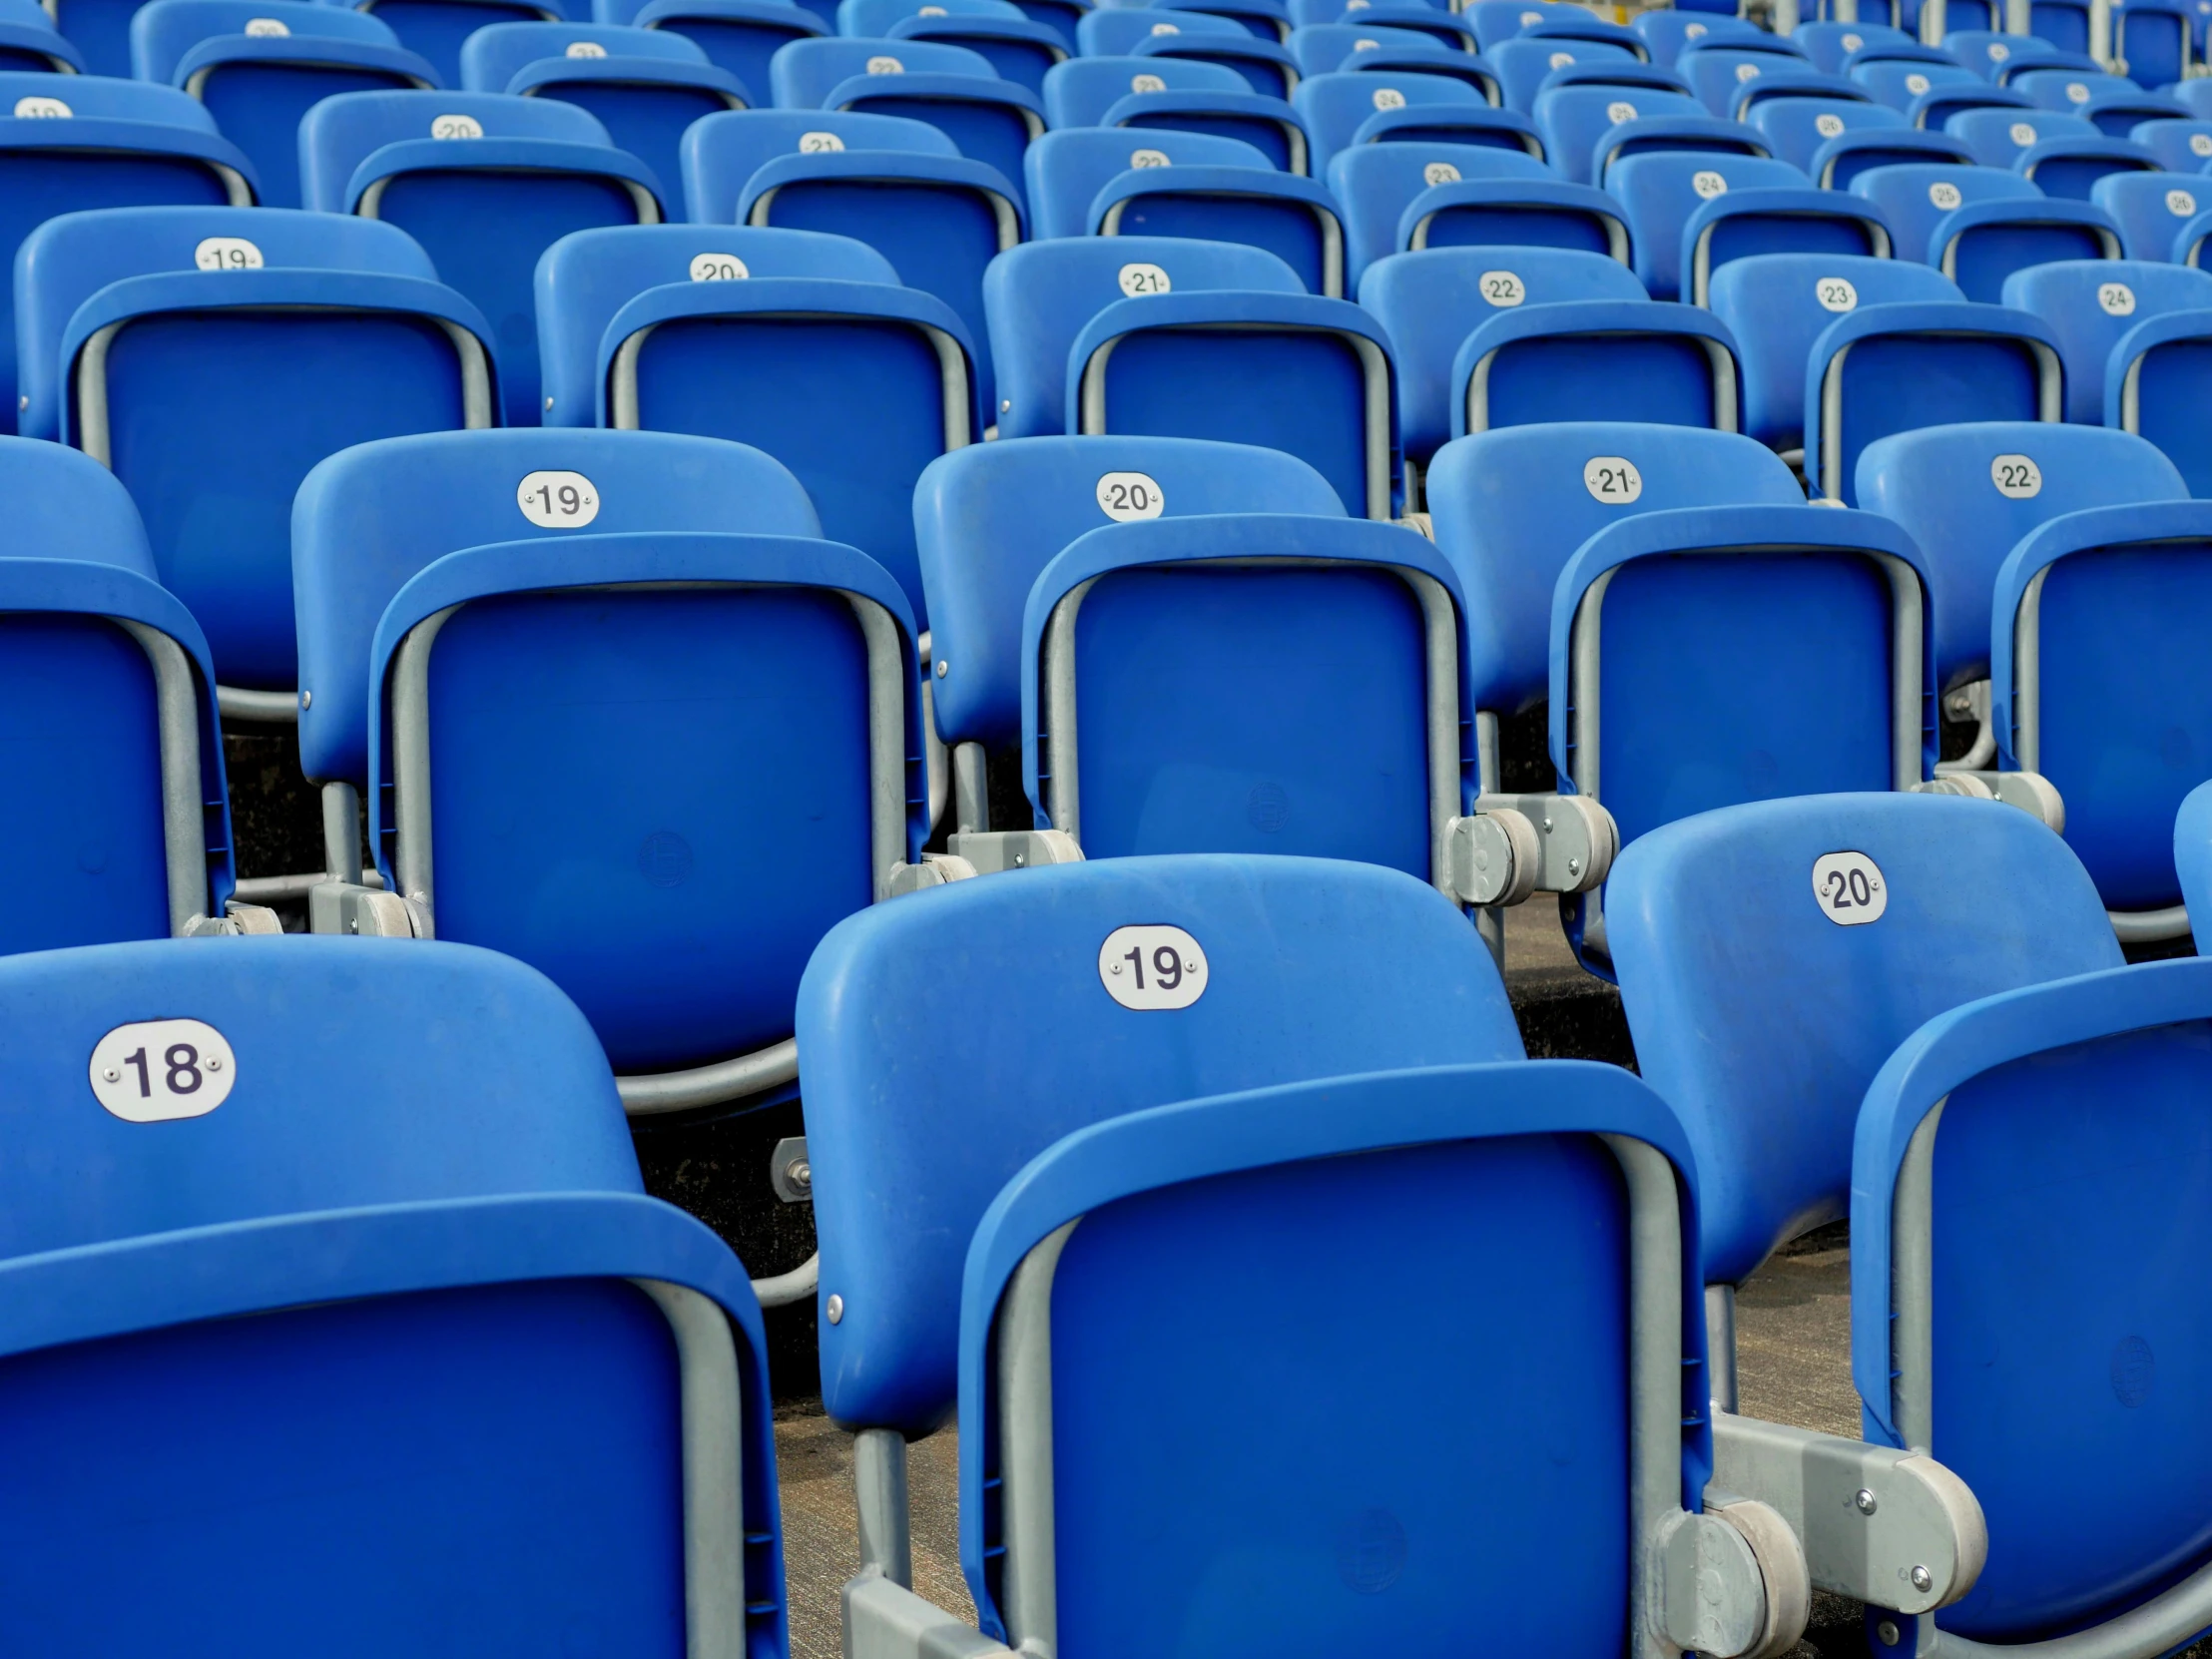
2016, 477
819, 143
931, 11
457, 127
1367, 46
1356, 5
266, 28
1852, 43
1747, 72
1559, 60
1148, 158
885, 65
1620, 110
557, 500
1165, 29
2024, 135
1916, 84
1708, 184
1836, 293
2116, 299
2180, 204
1127, 496
2076, 93
157, 1070
1829, 126
1502, 288
1388, 98
1527, 18
1147, 83
1612, 480
585, 49
227, 253
1440, 173
1152, 970
42, 109
2200, 143
1696, 31
1137, 277
1848, 888
1944, 195
718, 268
1999, 52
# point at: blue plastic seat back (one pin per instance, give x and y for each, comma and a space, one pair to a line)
805, 72
1715, 73
873, 19
435, 30
1510, 508
100, 30
1496, 21
1660, 192
1795, 127
1422, 993
1765, 987
1376, 183
101, 98
358, 1296
2070, 89
741, 36
1324, 48
1040, 297
1019, 49
1967, 494
1523, 65
1643, 361
1898, 84
1573, 119
2090, 304
723, 152
1669, 35
1998, 138
990, 518
2068, 168
2077, 1336
1828, 44
2153, 41
1778, 304
1915, 196
1981, 245
211, 415
1115, 32
1839, 163
496, 53
1431, 301
1078, 92
1335, 107
259, 84
1268, 124
483, 216
1065, 171
2150, 208
2181, 144
988, 119
1992, 52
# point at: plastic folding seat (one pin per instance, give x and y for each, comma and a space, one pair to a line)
2117, 116
1499, 21
1668, 34
2090, 304
2070, 89
1324, 48
1994, 52
1841, 160
1626, 73
1295, 218
1113, 32
1578, 24
1067, 169
2151, 43
1915, 196
1061, 15
741, 36
98, 31
1662, 193
1776, 306
1791, 80
208, 357
259, 65
2181, 146
1269, 70
1017, 48
1715, 73
434, 29
121, 817
1884, 49
1980, 244
1934, 109
1999, 137
1431, 302
722, 153
1827, 45
1523, 66
1572, 120
1436, 25
1474, 124
1736, 225
1795, 127
1337, 109
1179, 94
1260, 19
2150, 209
485, 182
1903, 367
1513, 200
991, 120
472, 1338
1898, 84
29, 43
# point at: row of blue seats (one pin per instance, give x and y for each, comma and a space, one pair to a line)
1201, 1141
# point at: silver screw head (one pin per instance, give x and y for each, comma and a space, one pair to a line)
306, 700
1574, 867
1116, 967
112, 1074
1865, 1502
834, 1308
800, 1174
1887, 1632
943, 667
1922, 1578
214, 1062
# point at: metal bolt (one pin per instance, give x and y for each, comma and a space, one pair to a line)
1888, 1633
1922, 1578
549, 402
1866, 1501
1574, 867
112, 1075
214, 1062
800, 1174
834, 1308
942, 668
306, 699
1116, 968
1547, 823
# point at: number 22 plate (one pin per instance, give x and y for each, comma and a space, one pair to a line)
1152, 968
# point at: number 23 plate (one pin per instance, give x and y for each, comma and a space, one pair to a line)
1152, 968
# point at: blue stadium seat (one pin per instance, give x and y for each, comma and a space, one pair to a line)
434, 30
106, 144
1901, 366
2116, 114
2068, 89
1515, 213
645, 85
723, 152
485, 182
120, 822
1717, 72
335, 1297
1911, 50
2150, 209
99, 31
1916, 196
1437, 24
1934, 109
1177, 94
1268, 69
1795, 127
1042, 296
1898, 84
1630, 73
1778, 304
1994, 52
1432, 59
1499, 21
1292, 217
1574, 120
1635, 135
1261, 19
1324, 48
1736, 225
1337, 107
29, 43
1114, 32
1019, 49
1523, 66
1581, 24
1477, 123
2154, 384
2151, 42
1980, 246
2089, 303
1066, 170
210, 357
1791, 80
260, 65
803, 74
1661, 194
853, 383
1839, 163
740, 36
1375, 183
1668, 34
2069, 168
1828, 44
1999, 137
1431, 302
2181, 145
1078, 92
991, 120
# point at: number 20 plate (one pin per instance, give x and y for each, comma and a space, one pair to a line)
155, 1070
1848, 888
1152, 968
